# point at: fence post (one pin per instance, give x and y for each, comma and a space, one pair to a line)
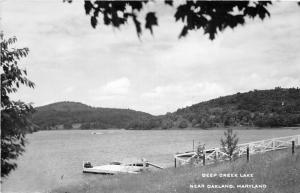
293, 147
248, 153
203, 158
193, 146
175, 162
216, 155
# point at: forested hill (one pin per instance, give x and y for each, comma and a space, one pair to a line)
260, 108
73, 115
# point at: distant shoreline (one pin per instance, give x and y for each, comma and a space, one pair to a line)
189, 128
274, 108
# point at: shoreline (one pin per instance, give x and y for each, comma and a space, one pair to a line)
259, 174
187, 129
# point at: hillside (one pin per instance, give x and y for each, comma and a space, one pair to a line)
65, 106
260, 108
73, 115
277, 107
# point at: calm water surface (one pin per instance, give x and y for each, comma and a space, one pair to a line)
54, 158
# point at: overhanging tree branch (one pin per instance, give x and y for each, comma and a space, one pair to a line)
210, 16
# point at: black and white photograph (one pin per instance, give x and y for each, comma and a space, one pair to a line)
150, 96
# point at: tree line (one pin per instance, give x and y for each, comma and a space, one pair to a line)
278, 107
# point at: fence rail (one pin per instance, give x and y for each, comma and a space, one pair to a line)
213, 154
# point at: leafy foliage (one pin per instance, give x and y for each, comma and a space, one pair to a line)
151, 20
183, 124
199, 153
229, 143
210, 16
265, 108
15, 115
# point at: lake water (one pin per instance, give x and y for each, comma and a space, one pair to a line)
54, 158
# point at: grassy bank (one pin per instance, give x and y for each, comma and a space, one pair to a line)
278, 170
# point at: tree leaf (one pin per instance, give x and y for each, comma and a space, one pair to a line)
93, 21
137, 25
106, 19
183, 32
151, 20
169, 2
88, 6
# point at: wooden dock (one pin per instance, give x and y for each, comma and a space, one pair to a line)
211, 155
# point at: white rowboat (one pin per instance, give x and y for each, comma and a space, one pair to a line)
116, 168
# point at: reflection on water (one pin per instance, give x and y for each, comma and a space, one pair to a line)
54, 158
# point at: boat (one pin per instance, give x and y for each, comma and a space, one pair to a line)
118, 167
97, 133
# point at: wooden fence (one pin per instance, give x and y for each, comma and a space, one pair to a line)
211, 155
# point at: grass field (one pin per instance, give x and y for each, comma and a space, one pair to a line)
279, 171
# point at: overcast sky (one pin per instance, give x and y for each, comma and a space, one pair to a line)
106, 67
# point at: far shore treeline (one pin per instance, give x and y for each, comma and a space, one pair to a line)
279, 107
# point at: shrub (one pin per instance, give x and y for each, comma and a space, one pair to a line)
183, 124
229, 143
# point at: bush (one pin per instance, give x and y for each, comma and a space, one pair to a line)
229, 143
167, 124
183, 124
